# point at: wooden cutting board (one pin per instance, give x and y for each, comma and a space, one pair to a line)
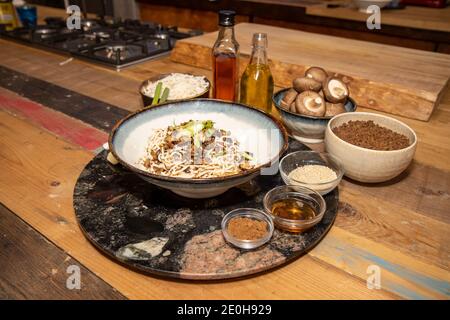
396, 80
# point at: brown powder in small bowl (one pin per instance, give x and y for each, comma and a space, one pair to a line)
247, 228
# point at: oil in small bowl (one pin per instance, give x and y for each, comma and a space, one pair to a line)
294, 208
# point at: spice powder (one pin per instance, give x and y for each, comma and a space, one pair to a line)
247, 229
369, 135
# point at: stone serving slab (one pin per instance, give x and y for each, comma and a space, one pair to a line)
156, 231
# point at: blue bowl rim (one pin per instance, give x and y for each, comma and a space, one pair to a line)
116, 127
305, 116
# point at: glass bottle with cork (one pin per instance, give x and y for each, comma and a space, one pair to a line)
225, 59
257, 80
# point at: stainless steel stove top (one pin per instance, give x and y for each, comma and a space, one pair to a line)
116, 44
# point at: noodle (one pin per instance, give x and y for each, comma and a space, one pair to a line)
195, 149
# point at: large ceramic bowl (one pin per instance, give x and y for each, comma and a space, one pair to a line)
308, 129
147, 100
366, 165
257, 132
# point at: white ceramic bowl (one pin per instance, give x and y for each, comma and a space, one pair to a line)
362, 5
366, 165
257, 132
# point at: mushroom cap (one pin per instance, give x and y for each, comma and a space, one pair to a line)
335, 90
292, 108
288, 98
284, 105
310, 103
333, 109
305, 84
316, 73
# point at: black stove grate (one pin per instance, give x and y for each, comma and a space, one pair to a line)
117, 44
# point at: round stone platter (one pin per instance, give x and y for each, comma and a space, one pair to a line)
156, 231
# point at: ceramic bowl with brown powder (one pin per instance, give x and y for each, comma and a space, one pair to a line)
372, 147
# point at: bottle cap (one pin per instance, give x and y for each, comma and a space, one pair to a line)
259, 40
226, 18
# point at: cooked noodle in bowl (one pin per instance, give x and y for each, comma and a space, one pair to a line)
195, 149
198, 148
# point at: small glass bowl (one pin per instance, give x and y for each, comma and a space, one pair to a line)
252, 214
301, 158
303, 194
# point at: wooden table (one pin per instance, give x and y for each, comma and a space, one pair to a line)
402, 226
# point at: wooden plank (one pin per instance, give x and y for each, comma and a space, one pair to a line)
401, 274
409, 17
34, 268
421, 189
353, 33
69, 128
61, 99
33, 159
395, 226
395, 80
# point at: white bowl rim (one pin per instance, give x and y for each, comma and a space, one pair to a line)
376, 115
134, 169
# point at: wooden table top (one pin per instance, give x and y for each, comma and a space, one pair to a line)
435, 19
401, 226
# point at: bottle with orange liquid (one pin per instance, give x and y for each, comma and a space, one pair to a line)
225, 59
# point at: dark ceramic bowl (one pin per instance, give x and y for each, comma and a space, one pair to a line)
308, 129
147, 100
258, 132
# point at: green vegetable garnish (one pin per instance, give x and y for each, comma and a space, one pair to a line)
165, 95
247, 156
194, 127
157, 93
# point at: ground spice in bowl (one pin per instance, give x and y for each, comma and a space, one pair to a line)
247, 228
369, 135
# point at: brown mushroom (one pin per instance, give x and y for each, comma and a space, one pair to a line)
288, 98
333, 109
335, 90
317, 74
293, 108
305, 84
310, 103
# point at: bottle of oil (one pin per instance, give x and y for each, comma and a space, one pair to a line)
225, 59
257, 80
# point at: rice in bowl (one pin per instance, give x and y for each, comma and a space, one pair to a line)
181, 86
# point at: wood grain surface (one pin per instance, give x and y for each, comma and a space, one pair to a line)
400, 226
34, 160
396, 80
411, 16
34, 268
